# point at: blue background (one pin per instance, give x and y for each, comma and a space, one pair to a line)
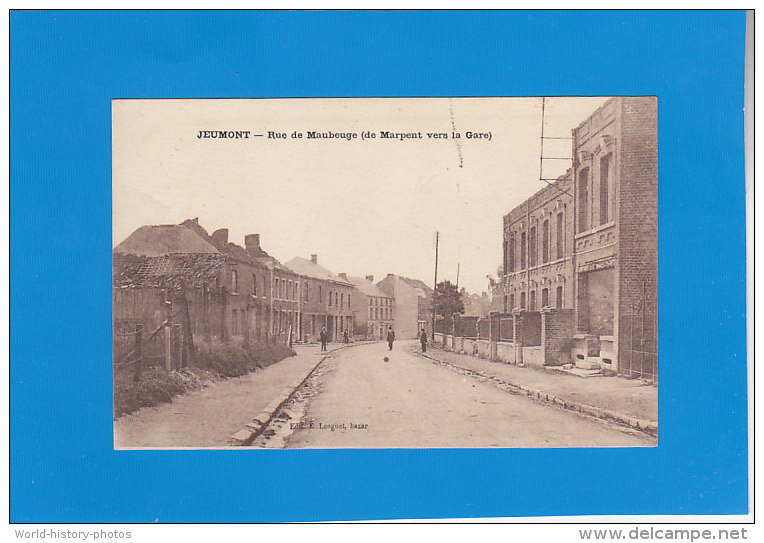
66, 67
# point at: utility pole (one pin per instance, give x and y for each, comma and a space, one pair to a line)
458, 266
435, 286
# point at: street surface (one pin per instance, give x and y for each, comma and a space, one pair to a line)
360, 401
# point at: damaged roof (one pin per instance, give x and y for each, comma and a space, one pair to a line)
166, 271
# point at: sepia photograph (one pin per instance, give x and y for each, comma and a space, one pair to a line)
385, 272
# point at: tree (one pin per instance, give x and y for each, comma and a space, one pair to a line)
447, 301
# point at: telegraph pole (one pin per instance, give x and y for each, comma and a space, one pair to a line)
435, 286
458, 266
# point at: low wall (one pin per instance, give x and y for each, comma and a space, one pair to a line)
458, 344
483, 348
470, 346
440, 339
533, 356
505, 352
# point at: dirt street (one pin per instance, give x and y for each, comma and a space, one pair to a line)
362, 401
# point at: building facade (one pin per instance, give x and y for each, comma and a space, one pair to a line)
589, 242
329, 300
615, 160
373, 309
538, 249
406, 323
181, 266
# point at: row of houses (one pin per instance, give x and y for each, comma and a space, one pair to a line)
587, 246
229, 291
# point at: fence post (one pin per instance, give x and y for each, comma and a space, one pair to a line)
177, 344
138, 350
168, 335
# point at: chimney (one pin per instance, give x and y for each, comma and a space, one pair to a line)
221, 236
252, 244
344, 276
314, 258
370, 278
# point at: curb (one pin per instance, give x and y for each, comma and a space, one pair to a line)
644, 426
255, 427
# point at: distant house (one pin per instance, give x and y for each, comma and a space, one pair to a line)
372, 307
408, 303
326, 300
424, 303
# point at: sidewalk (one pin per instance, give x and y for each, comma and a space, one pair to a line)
629, 401
208, 417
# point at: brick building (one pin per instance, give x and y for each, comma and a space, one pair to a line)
538, 249
329, 300
589, 242
372, 307
615, 162
271, 291
184, 265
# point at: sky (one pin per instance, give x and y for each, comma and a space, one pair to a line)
364, 206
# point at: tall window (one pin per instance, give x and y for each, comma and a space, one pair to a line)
533, 248
511, 248
605, 188
330, 298
234, 281
545, 241
305, 293
522, 300
506, 255
523, 246
533, 300
342, 299
511, 302
254, 285
320, 294
545, 297
583, 200
559, 297
560, 235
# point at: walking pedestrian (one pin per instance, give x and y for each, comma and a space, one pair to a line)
322, 337
423, 340
345, 335
390, 339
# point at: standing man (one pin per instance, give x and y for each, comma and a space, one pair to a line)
322, 337
345, 335
390, 339
423, 340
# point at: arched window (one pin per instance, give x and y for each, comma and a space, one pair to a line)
234, 281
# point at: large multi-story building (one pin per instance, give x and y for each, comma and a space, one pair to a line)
589, 242
615, 163
373, 309
538, 249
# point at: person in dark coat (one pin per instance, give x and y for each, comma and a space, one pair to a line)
423, 341
323, 338
345, 335
390, 339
